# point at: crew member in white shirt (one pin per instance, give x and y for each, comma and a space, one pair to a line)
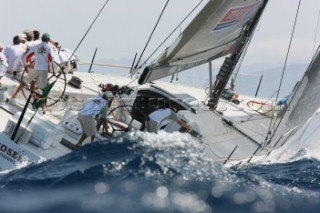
12, 52
20, 64
160, 118
43, 56
88, 113
68, 59
55, 52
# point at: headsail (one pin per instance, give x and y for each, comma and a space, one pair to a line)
306, 98
213, 33
300, 106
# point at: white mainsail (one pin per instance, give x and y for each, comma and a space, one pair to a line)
213, 33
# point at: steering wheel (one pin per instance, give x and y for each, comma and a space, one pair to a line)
57, 91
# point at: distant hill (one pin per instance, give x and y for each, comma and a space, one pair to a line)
247, 83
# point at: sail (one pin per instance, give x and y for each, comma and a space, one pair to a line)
213, 33
306, 98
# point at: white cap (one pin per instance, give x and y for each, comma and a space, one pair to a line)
1, 46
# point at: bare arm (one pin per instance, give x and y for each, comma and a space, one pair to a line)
183, 124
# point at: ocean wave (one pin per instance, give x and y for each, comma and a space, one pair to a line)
144, 172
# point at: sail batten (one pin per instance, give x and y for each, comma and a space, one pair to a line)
213, 33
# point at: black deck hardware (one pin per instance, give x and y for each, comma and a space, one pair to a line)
68, 144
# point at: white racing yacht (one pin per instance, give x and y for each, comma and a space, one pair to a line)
250, 129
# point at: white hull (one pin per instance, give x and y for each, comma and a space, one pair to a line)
231, 134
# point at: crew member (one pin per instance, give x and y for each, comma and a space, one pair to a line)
89, 111
160, 118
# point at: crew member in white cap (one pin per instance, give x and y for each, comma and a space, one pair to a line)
89, 111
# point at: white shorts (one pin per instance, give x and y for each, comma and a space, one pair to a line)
88, 124
41, 76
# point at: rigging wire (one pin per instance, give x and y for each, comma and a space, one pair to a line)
273, 121
87, 31
175, 29
152, 33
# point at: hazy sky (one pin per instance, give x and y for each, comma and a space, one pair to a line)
125, 25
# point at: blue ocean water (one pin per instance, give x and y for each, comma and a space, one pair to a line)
142, 172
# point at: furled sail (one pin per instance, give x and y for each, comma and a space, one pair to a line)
213, 33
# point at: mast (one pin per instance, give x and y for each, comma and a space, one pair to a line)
229, 64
